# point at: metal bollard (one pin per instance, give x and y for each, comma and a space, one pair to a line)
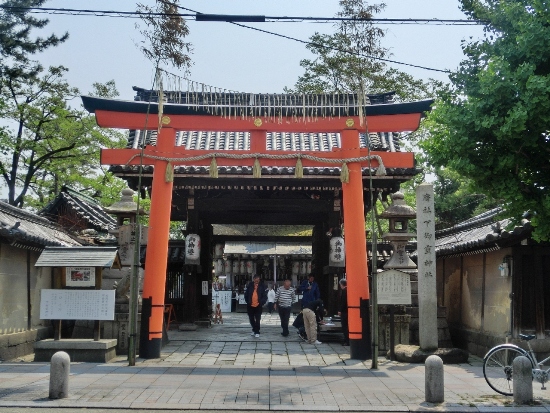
59, 375
434, 388
522, 384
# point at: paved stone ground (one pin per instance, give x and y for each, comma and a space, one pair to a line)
224, 368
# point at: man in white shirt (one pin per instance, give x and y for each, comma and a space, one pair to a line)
283, 302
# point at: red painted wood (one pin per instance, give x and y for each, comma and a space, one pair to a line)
356, 242
378, 123
154, 280
121, 157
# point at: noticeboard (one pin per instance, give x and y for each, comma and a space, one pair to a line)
393, 287
77, 304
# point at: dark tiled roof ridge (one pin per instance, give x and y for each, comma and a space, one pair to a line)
480, 220
28, 216
380, 97
78, 194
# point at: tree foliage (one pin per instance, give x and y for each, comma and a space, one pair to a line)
492, 125
16, 42
45, 143
349, 59
164, 34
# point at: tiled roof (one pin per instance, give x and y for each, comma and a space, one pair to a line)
266, 170
84, 206
27, 230
106, 257
481, 232
275, 141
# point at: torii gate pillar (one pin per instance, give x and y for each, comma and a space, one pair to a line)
356, 251
154, 281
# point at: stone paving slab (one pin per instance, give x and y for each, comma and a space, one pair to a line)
224, 368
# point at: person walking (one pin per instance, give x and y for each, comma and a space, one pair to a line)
255, 297
311, 312
270, 299
343, 310
283, 302
310, 290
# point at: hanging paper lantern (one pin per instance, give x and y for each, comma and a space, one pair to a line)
337, 249
219, 267
242, 267
250, 267
235, 267
281, 260
218, 251
295, 267
192, 247
303, 267
309, 267
227, 267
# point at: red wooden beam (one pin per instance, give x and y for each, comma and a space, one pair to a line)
121, 157
376, 123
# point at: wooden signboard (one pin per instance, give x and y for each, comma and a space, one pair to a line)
77, 305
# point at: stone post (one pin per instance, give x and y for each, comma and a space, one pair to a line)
434, 386
427, 290
59, 375
522, 384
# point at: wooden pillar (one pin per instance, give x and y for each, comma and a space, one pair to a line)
356, 251
154, 281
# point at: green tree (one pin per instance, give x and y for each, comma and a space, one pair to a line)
349, 59
164, 32
16, 43
46, 143
492, 125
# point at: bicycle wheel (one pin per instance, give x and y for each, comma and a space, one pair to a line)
497, 368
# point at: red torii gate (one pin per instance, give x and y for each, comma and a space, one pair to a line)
143, 115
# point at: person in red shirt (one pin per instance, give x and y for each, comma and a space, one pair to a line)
255, 297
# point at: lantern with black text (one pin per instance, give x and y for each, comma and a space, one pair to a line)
337, 250
192, 247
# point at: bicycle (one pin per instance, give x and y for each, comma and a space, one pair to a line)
497, 366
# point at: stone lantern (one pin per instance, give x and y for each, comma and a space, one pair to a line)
399, 214
126, 208
128, 282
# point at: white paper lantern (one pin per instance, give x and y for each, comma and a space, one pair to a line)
295, 267
250, 267
303, 267
193, 247
236, 267
227, 267
309, 267
219, 267
218, 251
337, 249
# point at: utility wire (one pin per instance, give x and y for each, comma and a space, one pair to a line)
110, 13
231, 18
327, 47
342, 50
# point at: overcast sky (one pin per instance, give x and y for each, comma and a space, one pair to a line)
104, 48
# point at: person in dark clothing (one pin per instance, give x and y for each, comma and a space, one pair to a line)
310, 290
255, 297
343, 310
311, 312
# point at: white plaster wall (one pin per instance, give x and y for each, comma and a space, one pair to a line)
13, 289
